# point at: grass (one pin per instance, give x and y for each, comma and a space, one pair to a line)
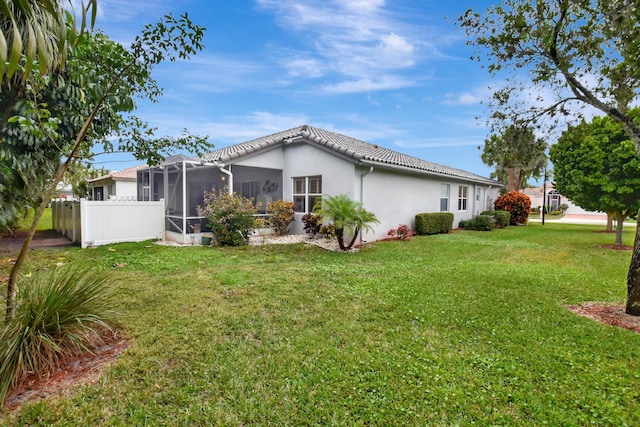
44, 224
458, 329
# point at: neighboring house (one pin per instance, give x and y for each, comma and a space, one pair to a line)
304, 163
554, 199
116, 185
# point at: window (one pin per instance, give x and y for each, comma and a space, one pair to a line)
306, 192
463, 192
444, 197
478, 193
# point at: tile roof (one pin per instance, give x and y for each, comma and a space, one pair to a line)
360, 151
123, 175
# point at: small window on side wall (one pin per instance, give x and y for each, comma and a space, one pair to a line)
463, 197
444, 197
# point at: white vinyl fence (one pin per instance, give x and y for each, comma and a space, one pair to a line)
95, 223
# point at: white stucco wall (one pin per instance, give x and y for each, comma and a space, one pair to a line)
126, 189
395, 197
302, 160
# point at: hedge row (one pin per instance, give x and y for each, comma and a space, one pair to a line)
433, 223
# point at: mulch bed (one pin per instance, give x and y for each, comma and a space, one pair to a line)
609, 314
82, 370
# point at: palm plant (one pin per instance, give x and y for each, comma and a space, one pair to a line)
59, 315
36, 29
348, 216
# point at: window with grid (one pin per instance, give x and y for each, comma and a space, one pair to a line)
307, 191
444, 197
463, 192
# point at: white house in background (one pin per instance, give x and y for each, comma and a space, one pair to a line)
305, 163
119, 185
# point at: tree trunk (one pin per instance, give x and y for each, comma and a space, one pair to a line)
15, 270
619, 224
511, 180
633, 277
609, 222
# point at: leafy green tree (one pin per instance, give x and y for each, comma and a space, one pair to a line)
97, 86
348, 216
596, 165
581, 53
516, 154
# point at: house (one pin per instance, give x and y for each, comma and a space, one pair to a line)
116, 185
304, 163
554, 200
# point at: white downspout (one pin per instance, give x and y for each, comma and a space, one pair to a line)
362, 175
184, 202
230, 175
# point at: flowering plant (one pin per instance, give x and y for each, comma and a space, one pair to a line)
403, 232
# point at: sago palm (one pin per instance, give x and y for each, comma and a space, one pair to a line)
346, 215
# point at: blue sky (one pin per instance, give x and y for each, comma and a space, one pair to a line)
395, 73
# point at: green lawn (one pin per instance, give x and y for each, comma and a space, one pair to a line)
458, 329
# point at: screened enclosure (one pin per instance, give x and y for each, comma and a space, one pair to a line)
182, 182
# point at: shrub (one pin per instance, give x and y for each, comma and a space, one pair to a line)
433, 223
312, 224
502, 218
328, 230
230, 217
58, 316
403, 232
281, 215
482, 222
518, 204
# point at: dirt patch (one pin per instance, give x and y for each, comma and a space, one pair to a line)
609, 314
616, 247
85, 369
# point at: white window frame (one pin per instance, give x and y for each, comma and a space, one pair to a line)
445, 192
309, 190
463, 198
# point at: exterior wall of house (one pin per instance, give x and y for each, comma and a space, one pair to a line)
302, 160
115, 189
126, 189
395, 198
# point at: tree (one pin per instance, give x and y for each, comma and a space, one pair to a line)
35, 31
516, 154
101, 78
348, 216
597, 167
583, 53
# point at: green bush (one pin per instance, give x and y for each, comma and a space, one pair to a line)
482, 222
230, 217
518, 204
58, 315
281, 214
433, 223
502, 218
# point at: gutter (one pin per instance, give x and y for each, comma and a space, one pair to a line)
220, 166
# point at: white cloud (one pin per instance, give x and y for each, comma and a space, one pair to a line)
256, 124
367, 85
353, 40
